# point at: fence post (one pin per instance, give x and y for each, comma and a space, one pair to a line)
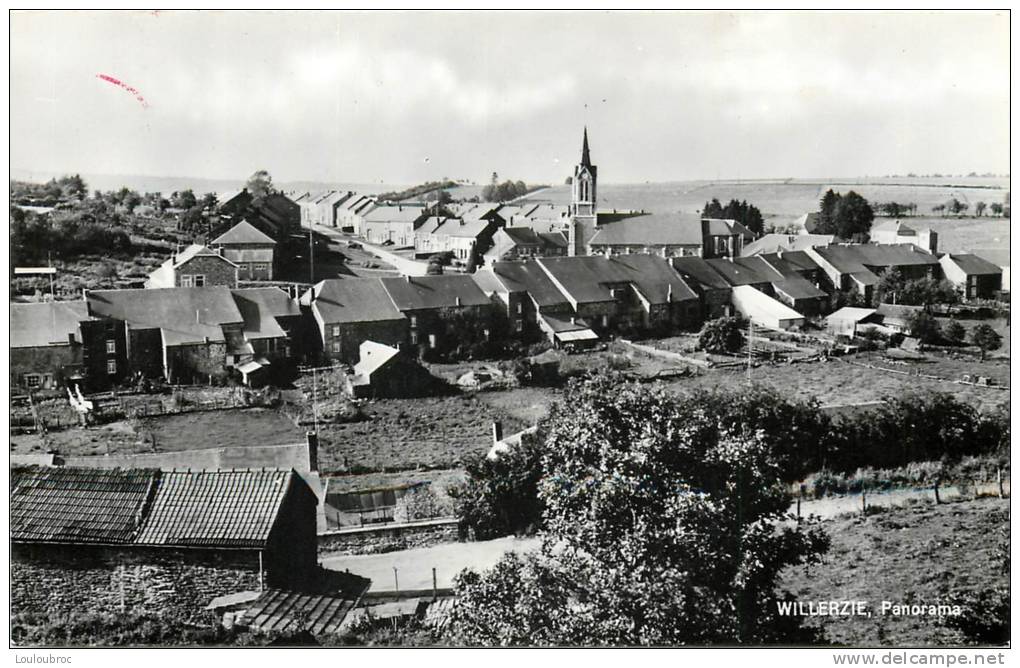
998, 478
937, 500
864, 500
435, 588
396, 585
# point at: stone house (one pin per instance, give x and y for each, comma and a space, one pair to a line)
394, 225
712, 289
522, 243
434, 304
974, 277
530, 300
346, 312
46, 344
140, 539
859, 266
251, 251
195, 267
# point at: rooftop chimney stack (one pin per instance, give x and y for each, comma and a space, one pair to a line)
313, 450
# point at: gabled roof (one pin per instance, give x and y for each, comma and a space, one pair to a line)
243, 233
65, 505
433, 292
743, 271
770, 243
524, 236
185, 315
808, 222
348, 300
193, 251
972, 265
46, 323
395, 214
654, 277
798, 287
790, 262
260, 307
698, 270
284, 611
899, 313
674, 229
215, 508
851, 313
457, 227
894, 226
587, 279
210, 509
529, 277
724, 227
997, 256
856, 258
373, 356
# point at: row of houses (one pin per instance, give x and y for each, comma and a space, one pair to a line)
190, 332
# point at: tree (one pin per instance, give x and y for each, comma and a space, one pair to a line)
713, 209
939, 209
746, 214
663, 528
996, 209
184, 199
723, 335
985, 338
955, 332
260, 185
209, 201
924, 327
853, 216
500, 495
979, 208
827, 209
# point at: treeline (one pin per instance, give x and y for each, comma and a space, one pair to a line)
746, 214
506, 191
53, 192
416, 191
846, 216
501, 497
89, 228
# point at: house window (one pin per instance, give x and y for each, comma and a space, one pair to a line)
432, 341
111, 347
519, 325
520, 308
33, 380
111, 367
261, 266
186, 281
414, 338
336, 330
199, 280
336, 346
414, 321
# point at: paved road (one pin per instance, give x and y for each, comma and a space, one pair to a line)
414, 567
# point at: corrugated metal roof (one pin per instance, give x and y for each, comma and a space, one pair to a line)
215, 508
65, 505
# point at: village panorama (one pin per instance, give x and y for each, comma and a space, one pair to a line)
463, 413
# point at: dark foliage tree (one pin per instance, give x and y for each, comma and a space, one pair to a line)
499, 496
664, 527
723, 335
923, 326
986, 338
955, 332
847, 216
259, 185
746, 214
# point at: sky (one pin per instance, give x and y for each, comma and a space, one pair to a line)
405, 97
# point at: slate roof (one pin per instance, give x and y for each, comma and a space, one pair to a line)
586, 279
697, 270
433, 292
972, 265
809, 221
798, 287
531, 278
46, 323
210, 509
724, 227
790, 262
339, 300
654, 276
770, 243
243, 233
260, 307
997, 256
674, 229
743, 271
64, 505
277, 610
856, 258
191, 252
579, 277
457, 227
894, 226
393, 214
185, 315
215, 508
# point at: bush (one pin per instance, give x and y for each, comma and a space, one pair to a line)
955, 332
985, 618
724, 335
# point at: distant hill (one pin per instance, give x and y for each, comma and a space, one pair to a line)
169, 184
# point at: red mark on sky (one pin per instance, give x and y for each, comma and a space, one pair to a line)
121, 84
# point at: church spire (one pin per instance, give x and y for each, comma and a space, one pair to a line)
585, 158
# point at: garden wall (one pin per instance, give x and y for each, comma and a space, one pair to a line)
388, 537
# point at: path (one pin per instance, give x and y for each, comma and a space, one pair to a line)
404, 265
414, 567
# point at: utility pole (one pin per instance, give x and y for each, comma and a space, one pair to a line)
750, 348
311, 255
315, 401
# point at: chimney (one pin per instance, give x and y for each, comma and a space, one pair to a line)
459, 303
408, 278
497, 432
313, 450
669, 293
779, 253
573, 320
70, 338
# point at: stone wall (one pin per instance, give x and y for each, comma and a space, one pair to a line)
216, 270
388, 538
64, 579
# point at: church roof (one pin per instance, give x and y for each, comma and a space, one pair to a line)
585, 154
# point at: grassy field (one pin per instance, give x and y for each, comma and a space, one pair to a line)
957, 235
920, 554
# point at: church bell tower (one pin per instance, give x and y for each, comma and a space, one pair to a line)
582, 205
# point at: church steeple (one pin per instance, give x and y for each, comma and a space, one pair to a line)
583, 202
585, 157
